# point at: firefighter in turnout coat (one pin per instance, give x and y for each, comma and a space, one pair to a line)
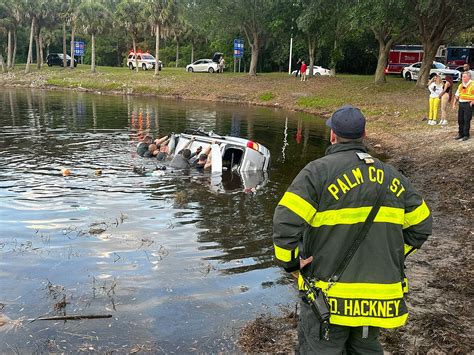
316, 222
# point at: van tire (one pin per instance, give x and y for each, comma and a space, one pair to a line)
408, 76
211, 70
144, 67
130, 66
190, 70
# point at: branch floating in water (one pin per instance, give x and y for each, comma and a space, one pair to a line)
74, 317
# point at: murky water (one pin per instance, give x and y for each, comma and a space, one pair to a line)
179, 265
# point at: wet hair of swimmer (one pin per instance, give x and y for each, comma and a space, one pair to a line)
203, 158
152, 148
147, 139
186, 153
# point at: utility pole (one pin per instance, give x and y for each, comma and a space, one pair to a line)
291, 51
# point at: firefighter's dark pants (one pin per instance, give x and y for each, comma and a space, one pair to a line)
464, 118
342, 340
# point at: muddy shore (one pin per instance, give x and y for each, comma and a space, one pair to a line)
440, 300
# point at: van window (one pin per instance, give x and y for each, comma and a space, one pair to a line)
139, 57
130, 56
232, 157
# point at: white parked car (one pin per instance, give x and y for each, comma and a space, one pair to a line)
203, 65
145, 61
411, 72
317, 70
235, 154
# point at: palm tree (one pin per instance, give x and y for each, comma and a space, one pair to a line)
129, 15
93, 18
30, 12
158, 13
6, 27
73, 14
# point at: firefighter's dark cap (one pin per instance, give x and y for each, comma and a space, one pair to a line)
347, 122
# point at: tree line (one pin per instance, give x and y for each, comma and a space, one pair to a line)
352, 35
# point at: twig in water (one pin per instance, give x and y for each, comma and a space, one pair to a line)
72, 317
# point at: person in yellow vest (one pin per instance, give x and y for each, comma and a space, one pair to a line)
465, 96
322, 215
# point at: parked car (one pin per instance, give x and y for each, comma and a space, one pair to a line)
411, 72
236, 154
145, 61
57, 59
317, 71
203, 65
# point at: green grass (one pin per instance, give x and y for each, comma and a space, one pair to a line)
267, 96
319, 102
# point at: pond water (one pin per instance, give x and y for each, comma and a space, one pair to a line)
179, 265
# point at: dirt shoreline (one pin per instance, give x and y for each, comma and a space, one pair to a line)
440, 300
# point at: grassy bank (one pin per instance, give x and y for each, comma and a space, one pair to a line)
318, 95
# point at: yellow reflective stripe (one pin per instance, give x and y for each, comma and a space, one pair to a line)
301, 285
299, 206
408, 249
285, 255
369, 321
368, 291
416, 216
358, 215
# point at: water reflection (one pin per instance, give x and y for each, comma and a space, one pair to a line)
192, 257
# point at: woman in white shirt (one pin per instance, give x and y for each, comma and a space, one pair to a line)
435, 86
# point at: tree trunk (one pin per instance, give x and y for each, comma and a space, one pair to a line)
9, 51
429, 54
73, 32
192, 52
333, 58
157, 49
1, 63
64, 45
41, 58
135, 51
254, 56
14, 49
37, 46
30, 47
93, 53
311, 48
384, 50
177, 52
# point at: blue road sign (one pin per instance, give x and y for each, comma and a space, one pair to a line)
238, 48
79, 48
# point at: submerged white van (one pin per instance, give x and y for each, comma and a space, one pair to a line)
228, 154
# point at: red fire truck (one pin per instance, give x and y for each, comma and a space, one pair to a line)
402, 55
455, 57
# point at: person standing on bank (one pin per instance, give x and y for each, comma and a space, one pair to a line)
298, 68
435, 86
465, 96
446, 96
344, 227
303, 70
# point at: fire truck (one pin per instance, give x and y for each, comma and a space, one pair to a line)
402, 55
455, 57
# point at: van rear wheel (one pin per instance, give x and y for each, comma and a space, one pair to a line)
130, 66
144, 67
211, 70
